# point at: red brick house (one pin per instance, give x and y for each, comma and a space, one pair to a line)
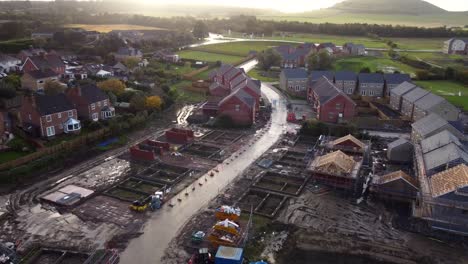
240, 106
91, 102
48, 115
36, 80
24, 54
43, 62
331, 104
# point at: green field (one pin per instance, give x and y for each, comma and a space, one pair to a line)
240, 48
11, 155
455, 93
105, 28
208, 56
186, 96
436, 58
342, 17
374, 63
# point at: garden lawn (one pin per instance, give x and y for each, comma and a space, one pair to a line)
449, 90
185, 95
419, 43
11, 155
240, 48
257, 74
208, 56
374, 63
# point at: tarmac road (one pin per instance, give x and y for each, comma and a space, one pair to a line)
165, 224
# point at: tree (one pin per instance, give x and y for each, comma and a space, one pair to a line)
131, 62
7, 90
153, 102
365, 70
268, 58
422, 75
138, 102
200, 30
14, 80
115, 86
53, 87
321, 61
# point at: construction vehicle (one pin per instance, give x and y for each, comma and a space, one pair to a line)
227, 212
198, 236
154, 202
226, 233
140, 205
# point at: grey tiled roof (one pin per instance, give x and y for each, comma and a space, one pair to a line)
50, 104
444, 155
403, 88
345, 76
295, 73
428, 124
439, 140
397, 143
315, 75
371, 78
397, 78
415, 94
428, 101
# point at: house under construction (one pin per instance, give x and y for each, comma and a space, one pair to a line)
395, 186
336, 170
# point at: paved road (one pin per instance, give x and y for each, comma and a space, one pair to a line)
165, 224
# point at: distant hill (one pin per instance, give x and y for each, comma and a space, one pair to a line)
397, 7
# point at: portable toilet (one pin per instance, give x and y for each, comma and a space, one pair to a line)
229, 255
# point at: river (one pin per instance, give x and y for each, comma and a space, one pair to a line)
164, 225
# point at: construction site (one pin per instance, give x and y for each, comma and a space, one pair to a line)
288, 210
106, 206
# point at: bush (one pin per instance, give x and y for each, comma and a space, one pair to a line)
18, 144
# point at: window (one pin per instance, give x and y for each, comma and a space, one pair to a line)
50, 131
40, 81
59, 115
95, 116
105, 103
99, 104
338, 106
331, 115
350, 90
298, 88
49, 118
70, 113
237, 108
363, 92
30, 118
93, 106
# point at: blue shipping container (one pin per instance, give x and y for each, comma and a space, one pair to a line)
229, 255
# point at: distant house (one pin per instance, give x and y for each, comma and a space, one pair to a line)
167, 56
35, 80
91, 102
433, 124
43, 62
331, 104
346, 81
49, 115
408, 100
23, 54
400, 151
327, 46
8, 63
456, 46
126, 53
392, 80
371, 84
294, 81
120, 68
99, 70
293, 57
354, 49
64, 55
396, 94
432, 103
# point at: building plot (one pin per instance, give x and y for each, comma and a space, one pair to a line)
46, 256
261, 202
276, 182
293, 159
164, 173
201, 150
221, 137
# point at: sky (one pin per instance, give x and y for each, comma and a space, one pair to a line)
303, 5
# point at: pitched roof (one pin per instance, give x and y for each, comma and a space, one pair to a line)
337, 158
50, 104
92, 93
428, 101
449, 180
47, 61
242, 95
397, 78
439, 140
396, 175
444, 155
351, 138
429, 124
41, 74
239, 79
371, 78
398, 142
326, 90
295, 73
403, 88
315, 75
345, 76
415, 94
